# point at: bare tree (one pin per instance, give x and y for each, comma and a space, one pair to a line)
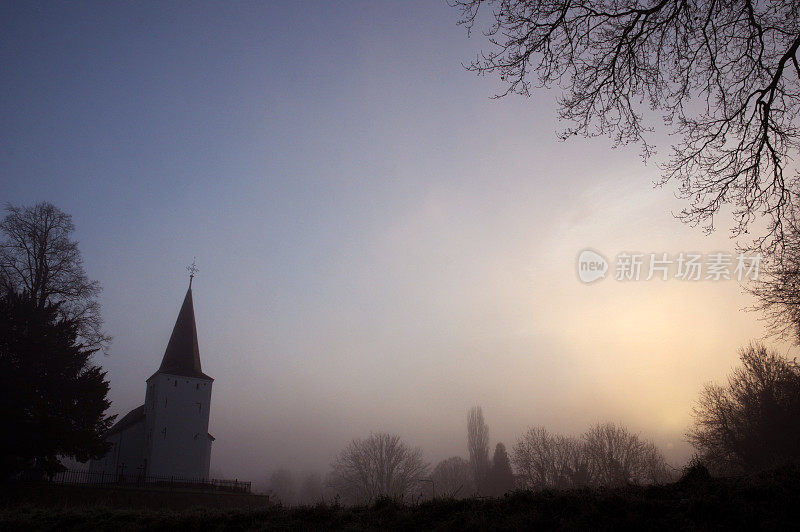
478, 446
545, 460
452, 477
571, 464
39, 257
655, 467
379, 466
533, 459
607, 455
753, 423
725, 77
618, 457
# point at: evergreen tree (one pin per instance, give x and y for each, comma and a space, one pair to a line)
54, 400
501, 478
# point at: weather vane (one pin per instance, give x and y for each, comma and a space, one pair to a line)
192, 269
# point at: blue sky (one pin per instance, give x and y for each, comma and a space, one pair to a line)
380, 244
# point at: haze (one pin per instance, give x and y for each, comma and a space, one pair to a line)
381, 245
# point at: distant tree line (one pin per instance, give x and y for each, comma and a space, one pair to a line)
605, 455
383, 466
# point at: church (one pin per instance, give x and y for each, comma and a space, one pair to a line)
168, 435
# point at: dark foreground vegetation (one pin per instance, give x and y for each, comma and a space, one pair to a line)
767, 501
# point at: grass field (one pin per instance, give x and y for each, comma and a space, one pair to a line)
765, 502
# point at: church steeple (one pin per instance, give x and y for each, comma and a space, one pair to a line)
168, 435
182, 356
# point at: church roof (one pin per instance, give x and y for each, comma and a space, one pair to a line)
131, 418
182, 356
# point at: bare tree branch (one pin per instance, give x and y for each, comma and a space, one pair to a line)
39, 257
719, 71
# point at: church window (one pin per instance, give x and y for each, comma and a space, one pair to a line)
175, 383
165, 402
164, 432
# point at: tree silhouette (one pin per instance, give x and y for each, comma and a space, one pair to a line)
54, 399
545, 460
478, 446
452, 477
752, 423
619, 457
777, 289
606, 455
501, 478
724, 75
533, 458
39, 257
379, 466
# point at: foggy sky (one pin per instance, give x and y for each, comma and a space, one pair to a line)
381, 246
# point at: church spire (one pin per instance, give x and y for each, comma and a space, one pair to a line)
182, 356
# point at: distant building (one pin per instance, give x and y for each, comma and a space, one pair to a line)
168, 435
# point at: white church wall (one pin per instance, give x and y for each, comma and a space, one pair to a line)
130, 447
207, 456
126, 456
177, 412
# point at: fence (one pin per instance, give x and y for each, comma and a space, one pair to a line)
98, 478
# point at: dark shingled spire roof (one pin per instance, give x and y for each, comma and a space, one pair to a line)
182, 356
